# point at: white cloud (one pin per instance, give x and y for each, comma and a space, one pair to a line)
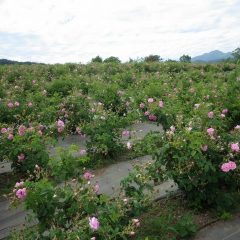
77, 30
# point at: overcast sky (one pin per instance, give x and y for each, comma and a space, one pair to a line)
76, 30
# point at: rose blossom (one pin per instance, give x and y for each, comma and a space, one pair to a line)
60, 123
152, 117
210, 114
78, 130
21, 130
16, 104
10, 105
210, 131
226, 167
160, 104
88, 175
21, 157
235, 147
96, 188
146, 113
21, 193
94, 223
10, 136
60, 129
150, 100
19, 184
142, 105
224, 111
4, 130
125, 133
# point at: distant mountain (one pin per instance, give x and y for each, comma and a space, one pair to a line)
8, 62
214, 56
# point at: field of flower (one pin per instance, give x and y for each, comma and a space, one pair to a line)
198, 106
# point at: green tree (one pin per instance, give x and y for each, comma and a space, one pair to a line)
185, 58
112, 60
97, 59
153, 58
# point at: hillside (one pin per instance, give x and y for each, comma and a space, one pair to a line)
213, 56
8, 62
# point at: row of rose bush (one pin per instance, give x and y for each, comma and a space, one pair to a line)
198, 106
77, 209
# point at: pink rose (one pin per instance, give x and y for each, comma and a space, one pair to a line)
10, 136
16, 104
21, 157
10, 105
210, 131
78, 130
60, 123
125, 133
142, 105
210, 114
146, 113
60, 129
150, 100
224, 111
235, 147
96, 188
152, 117
88, 175
232, 165
21, 193
19, 184
161, 104
94, 223
4, 130
21, 130
225, 167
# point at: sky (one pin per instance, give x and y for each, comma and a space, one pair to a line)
59, 31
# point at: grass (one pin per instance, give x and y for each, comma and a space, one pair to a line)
171, 219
